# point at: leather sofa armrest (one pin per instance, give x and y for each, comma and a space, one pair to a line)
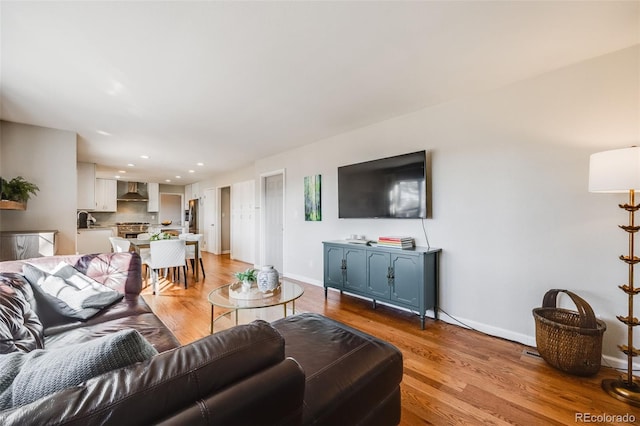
271, 397
170, 382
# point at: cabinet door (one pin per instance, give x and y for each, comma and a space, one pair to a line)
187, 196
333, 266
106, 195
408, 278
195, 190
378, 274
355, 276
96, 241
153, 191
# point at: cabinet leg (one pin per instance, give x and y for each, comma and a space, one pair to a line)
422, 322
374, 303
325, 293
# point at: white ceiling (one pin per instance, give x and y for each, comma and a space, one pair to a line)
225, 83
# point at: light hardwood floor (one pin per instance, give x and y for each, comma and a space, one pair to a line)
452, 375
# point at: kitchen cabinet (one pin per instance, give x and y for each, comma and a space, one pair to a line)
94, 240
106, 195
403, 278
195, 190
187, 196
191, 192
86, 190
153, 192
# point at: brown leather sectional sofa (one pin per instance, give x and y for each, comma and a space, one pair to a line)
304, 369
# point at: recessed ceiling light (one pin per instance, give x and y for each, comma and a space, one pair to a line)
192, 171
117, 176
200, 164
178, 177
131, 165
146, 157
122, 171
167, 180
103, 133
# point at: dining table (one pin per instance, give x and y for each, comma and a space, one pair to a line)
137, 244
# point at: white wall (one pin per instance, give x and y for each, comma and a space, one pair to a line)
46, 157
511, 209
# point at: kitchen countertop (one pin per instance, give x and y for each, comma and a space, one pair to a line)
28, 232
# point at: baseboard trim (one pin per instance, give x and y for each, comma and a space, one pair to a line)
608, 361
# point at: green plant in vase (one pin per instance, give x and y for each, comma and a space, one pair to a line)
248, 278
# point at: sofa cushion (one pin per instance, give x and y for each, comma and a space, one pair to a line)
24, 378
70, 292
147, 324
130, 305
20, 327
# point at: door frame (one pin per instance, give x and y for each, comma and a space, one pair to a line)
160, 194
217, 219
263, 196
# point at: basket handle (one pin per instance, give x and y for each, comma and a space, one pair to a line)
587, 317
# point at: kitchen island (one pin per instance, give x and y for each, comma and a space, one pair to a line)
95, 239
18, 245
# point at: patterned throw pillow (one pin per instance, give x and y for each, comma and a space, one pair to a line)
25, 378
70, 292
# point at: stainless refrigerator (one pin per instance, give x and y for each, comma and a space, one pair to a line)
193, 216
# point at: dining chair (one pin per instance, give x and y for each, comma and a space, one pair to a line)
144, 252
119, 244
191, 250
166, 254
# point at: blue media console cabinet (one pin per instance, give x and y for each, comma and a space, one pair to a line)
404, 278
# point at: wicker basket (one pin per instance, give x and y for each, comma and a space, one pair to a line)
568, 340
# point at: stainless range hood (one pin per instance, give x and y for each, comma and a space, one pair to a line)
132, 193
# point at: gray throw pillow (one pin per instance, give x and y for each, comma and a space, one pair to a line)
27, 377
70, 292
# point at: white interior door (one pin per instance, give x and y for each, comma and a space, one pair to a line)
209, 221
273, 221
243, 221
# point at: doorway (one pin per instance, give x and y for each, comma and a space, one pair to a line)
272, 220
171, 208
225, 220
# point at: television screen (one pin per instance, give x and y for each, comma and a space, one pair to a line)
393, 187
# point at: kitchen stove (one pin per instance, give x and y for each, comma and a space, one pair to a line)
131, 229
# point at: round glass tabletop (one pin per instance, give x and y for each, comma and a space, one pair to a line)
289, 291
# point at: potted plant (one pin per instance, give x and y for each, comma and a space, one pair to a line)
160, 236
16, 193
248, 278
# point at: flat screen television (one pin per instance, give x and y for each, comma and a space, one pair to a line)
392, 187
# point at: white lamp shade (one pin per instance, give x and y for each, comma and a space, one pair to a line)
617, 170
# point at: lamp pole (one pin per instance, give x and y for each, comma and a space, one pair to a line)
628, 389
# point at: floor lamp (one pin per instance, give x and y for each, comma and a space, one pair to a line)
618, 170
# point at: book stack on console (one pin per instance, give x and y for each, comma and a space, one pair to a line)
396, 242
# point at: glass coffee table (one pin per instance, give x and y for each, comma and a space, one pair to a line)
222, 299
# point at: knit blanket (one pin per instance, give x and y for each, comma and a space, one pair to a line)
27, 377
